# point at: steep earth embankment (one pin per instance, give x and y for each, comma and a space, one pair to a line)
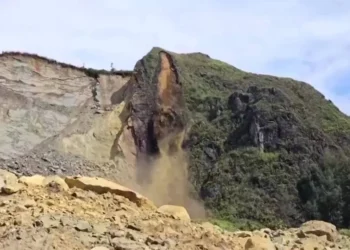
52, 116
84, 213
38, 100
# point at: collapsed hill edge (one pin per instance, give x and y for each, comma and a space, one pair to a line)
262, 150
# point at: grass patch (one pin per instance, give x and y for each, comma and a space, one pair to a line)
237, 224
345, 232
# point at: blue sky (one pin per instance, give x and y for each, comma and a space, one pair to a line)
308, 40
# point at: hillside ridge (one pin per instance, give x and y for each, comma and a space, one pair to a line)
89, 71
257, 149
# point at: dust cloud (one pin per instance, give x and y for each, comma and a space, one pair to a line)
164, 179
168, 182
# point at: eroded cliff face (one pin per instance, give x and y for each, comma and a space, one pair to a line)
157, 108
37, 101
41, 99
159, 125
107, 85
128, 127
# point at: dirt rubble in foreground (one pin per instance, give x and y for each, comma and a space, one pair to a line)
51, 212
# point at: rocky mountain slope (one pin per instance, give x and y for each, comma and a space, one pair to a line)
79, 213
258, 150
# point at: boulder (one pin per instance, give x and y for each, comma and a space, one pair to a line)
11, 188
320, 228
176, 211
311, 244
257, 242
35, 180
9, 182
39, 180
267, 231
243, 234
56, 180
100, 186
7, 178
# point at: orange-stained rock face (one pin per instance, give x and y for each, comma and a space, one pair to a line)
157, 106
167, 82
168, 121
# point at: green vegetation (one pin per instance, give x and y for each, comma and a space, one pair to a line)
258, 144
345, 232
325, 192
239, 224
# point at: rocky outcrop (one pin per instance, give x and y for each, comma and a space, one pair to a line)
90, 214
101, 186
156, 106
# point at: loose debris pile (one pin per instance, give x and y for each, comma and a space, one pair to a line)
39, 212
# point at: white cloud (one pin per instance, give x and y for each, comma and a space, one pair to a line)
306, 40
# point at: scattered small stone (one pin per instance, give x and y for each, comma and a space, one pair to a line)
67, 221
86, 239
301, 234
17, 221
152, 241
257, 242
278, 233
79, 195
133, 227
4, 203
243, 234
117, 233
20, 208
126, 244
29, 203
2, 182
11, 188
100, 248
47, 221
50, 202
4, 223
267, 231
169, 243
130, 236
83, 226
298, 241
100, 228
